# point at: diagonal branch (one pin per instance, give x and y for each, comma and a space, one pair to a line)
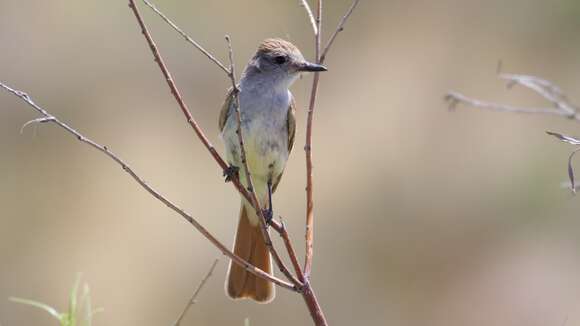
338, 29
210, 56
103, 149
193, 299
310, 15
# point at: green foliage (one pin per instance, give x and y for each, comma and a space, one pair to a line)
80, 312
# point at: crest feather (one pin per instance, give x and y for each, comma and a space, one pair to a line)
276, 46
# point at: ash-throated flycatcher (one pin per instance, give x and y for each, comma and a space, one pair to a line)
268, 127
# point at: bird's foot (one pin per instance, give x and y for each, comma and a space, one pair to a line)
231, 172
268, 215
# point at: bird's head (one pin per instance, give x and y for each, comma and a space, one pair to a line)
280, 61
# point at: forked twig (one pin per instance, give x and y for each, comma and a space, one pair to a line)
546, 89
310, 15
193, 299
210, 56
338, 29
561, 106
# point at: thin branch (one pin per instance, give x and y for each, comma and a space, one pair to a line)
33, 121
310, 15
103, 149
193, 299
338, 29
320, 57
572, 141
546, 89
210, 56
293, 258
455, 98
308, 149
251, 189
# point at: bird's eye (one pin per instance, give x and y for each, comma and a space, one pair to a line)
280, 59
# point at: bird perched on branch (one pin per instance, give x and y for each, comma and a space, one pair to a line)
268, 127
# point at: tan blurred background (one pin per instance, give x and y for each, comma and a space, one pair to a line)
423, 217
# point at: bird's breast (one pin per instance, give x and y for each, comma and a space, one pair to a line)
265, 132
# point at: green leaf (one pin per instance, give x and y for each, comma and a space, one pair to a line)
39, 305
72, 305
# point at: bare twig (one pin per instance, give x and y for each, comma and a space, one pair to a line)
572, 141
310, 15
546, 89
308, 293
284, 234
338, 29
455, 98
320, 57
308, 150
103, 149
193, 299
37, 120
251, 189
549, 91
210, 56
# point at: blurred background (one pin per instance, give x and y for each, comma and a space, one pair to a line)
423, 216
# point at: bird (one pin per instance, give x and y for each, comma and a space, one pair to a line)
268, 126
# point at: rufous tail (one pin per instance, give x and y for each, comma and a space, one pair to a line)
249, 245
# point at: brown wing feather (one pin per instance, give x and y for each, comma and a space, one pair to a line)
225, 109
291, 125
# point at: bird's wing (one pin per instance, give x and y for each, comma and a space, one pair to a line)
291, 123
291, 126
225, 109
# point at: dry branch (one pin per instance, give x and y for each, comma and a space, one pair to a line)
193, 299
561, 106
308, 146
210, 56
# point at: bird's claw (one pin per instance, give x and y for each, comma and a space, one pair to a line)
231, 172
268, 215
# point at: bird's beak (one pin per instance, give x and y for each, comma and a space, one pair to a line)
308, 66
